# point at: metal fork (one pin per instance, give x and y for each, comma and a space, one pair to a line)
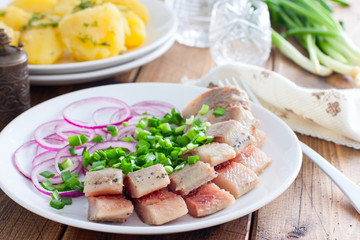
349, 188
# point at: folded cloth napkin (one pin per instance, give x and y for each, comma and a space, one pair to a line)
333, 115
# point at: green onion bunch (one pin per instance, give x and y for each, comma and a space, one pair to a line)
311, 23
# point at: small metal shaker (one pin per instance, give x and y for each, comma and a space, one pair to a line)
14, 80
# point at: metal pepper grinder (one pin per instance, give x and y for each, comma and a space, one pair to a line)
14, 80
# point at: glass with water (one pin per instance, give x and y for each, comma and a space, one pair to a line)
240, 32
194, 21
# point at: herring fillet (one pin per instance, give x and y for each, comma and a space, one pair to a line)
111, 208
207, 200
103, 182
160, 207
146, 180
191, 177
236, 178
231, 132
253, 158
213, 153
223, 97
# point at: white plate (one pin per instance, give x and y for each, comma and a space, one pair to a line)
160, 28
73, 78
281, 145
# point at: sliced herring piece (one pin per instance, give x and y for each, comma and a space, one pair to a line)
207, 200
112, 208
103, 182
213, 153
253, 158
231, 132
160, 207
223, 97
191, 177
146, 180
236, 178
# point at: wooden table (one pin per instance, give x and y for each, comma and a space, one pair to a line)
312, 208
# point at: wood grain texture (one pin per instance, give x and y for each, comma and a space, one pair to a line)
233, 230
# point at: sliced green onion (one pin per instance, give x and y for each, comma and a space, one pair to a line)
169, 169
125, 124
204, 109
126, 166
47, 174
180, 129
55, 195
143, 123
66, 163
48, 185
99, 165
86, 159
98, 139
127, 139
219, 111
179, 167
77, 140
72, 151
113, 130
193, 159
190, 120
61, 187
66, 200
165, 128
57, 204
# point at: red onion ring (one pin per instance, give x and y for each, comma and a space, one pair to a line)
90, 103
105, 145
46, 137
21, 162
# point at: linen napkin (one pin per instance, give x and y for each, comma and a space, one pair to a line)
332, 114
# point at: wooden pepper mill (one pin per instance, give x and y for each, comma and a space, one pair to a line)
14, 80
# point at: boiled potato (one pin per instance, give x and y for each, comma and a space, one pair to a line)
64, 7
14, 35
35, 6
139, 8
137, 28
94, 33
14, 17
42, 45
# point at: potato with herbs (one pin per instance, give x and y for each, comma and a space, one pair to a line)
35, 6
139, 8
14, 35
64, 7
41, 39
94, 33
14, 17
137, 33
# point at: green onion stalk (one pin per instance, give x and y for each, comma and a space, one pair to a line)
311, 23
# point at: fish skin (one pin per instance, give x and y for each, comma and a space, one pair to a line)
191, 177
208, 199
146, 180
160, 207
236, 178
112, 208
103, 182
231, 132
213, 153
218, 97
